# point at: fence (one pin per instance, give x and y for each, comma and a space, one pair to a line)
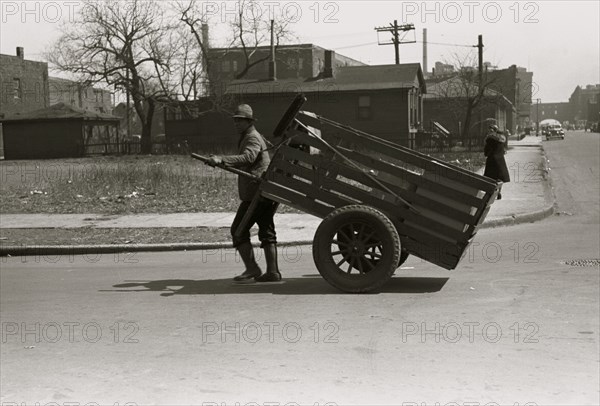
429, 142
424, 142
135, 147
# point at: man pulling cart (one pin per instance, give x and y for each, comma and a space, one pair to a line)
380, 202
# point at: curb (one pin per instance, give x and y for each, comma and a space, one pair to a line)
22, 250
520, 219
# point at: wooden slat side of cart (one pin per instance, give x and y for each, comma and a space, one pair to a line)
435, 206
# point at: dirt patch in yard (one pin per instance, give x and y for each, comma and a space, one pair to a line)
107, 236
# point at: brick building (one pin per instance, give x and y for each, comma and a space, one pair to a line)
584, 103
24, 84
516, 84
79, 95
525, 93
581, 110
291, 61
562, 112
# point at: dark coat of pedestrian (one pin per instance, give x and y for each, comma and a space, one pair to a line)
494, 150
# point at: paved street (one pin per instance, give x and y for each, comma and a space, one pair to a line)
515, 323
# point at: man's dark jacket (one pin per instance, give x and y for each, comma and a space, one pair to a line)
252, 157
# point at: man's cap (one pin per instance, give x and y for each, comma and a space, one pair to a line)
243, 111
494, 127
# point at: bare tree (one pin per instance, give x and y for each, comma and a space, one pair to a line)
124, 45
252, 29
194, 20
464, 92
249, 30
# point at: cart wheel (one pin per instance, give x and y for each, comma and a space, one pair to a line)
356, 249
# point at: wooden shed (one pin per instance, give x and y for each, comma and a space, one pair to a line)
59, 131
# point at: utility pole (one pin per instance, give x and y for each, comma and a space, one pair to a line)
272, 67
127, 110
481, 89
395, 30
537, 117
480, 49
396, 42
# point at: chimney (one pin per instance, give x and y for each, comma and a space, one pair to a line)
272, 67
21, 52
205, 37
329, 61
425, 50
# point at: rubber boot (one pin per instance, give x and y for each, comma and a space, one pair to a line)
252, 268
272, 274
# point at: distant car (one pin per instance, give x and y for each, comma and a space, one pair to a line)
553, 131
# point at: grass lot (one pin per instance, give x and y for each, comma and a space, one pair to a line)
115, 185
132, 184
128, 184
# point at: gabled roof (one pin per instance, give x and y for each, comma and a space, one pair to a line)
60, 111
346, 78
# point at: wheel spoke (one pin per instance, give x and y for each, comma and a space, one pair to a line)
375, 255
345, 259
367, 238
362, 230
351, 230
336, 252
350, 266
360, 261
370, 263
343, 234
375, 244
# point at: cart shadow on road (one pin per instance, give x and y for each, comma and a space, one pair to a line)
307, 285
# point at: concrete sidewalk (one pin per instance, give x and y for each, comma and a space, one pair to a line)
526, 198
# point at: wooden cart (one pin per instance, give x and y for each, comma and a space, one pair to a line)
379, 201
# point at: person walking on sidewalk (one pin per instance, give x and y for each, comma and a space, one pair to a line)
252, 157
494, 150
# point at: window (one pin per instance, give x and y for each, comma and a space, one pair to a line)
225, 66
300, 63
413, 106
18, 94
364, 107
235, 66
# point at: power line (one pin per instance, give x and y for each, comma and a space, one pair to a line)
358, 45
446, 44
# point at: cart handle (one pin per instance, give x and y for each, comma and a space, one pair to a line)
227, 168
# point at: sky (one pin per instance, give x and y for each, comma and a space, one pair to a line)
559, 41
